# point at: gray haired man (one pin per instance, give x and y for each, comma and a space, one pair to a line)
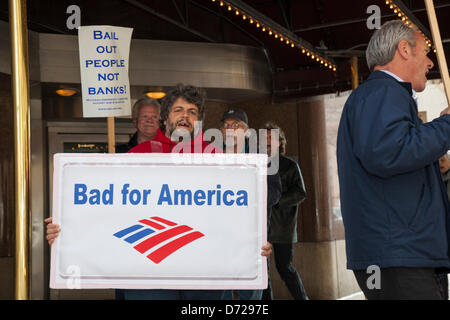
394, 205
145, 115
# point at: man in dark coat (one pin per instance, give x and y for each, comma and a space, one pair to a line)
283, 222
394, 205
235, 131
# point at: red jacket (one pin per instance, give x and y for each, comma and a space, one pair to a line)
162, 144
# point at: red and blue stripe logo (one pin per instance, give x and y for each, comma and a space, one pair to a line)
150, 233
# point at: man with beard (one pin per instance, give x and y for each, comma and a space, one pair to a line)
395, 208
145, 115
180, 110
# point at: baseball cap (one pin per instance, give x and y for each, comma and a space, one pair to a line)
237, 114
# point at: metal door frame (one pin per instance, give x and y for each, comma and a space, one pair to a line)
59, 132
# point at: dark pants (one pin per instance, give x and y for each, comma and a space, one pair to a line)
400, 283
283, 261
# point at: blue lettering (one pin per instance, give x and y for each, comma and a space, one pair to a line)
210, 196
135, 197
164, 195
146, 195
225, 198
243, 198
199, 197
108, 76
95, 196
218, 194
107, 196
97, 35
103, 49
106, 63
125, 193
215, 197
183, 195
80, 194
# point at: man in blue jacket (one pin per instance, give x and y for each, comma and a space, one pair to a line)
395, 208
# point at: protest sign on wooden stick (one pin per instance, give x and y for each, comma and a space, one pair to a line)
438, 45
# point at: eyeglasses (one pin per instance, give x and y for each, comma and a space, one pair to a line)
234, 125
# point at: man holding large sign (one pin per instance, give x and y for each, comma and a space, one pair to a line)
226, 209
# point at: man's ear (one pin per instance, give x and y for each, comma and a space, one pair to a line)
404, 49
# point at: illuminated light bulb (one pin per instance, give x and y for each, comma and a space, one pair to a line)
229, 8
399, 14
321, 61
263, 29
276, 36
387, 1
257, 25
403, 19
244, 17
308, 54
270, 32
237, 12
395, 11
287, 41
251, 20
303, 50
281, 39
312, 56
221, 3
292, 45
326, 64
66, 92
317, 59
391, 6
334, 69
434, 50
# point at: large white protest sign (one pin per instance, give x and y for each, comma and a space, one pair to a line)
104, 52
141, 221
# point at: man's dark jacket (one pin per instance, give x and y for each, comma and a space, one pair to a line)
124, 148
283, 223
273, 187
394, 205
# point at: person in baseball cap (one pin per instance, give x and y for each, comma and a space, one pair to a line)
234, 127
235, 114
236, 135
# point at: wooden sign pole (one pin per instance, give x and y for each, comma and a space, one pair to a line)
111, 136
439, 48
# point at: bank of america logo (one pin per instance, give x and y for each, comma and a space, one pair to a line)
150, 233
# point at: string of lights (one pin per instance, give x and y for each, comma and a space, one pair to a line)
272, 30
396, 8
